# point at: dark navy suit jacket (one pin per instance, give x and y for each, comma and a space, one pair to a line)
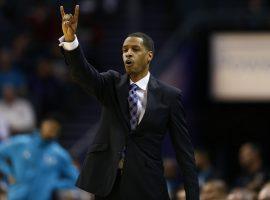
142, 177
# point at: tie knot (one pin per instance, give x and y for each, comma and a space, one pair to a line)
134, 87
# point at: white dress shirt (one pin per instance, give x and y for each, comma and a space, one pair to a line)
69, 46
142, 83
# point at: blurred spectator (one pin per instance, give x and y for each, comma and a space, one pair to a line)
171, 175
214, 190
17, 112
180, 194
265, 192
9, 75
36, 165
4, 129
253, 175
242, 194
46, 91
206, 171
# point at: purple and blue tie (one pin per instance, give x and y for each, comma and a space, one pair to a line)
133, 109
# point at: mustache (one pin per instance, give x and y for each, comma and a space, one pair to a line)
128, 61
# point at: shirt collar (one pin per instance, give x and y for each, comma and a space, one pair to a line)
142, 83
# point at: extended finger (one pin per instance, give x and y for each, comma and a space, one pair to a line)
67, 17
62, 11
76, 12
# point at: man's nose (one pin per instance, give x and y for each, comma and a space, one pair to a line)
129, 53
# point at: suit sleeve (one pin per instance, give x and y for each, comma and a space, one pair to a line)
82, 72
183, 148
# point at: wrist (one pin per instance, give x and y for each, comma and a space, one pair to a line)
69, 46
69, 39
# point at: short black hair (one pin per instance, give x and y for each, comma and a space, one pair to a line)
147, 40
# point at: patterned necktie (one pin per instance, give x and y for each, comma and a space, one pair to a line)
133, 109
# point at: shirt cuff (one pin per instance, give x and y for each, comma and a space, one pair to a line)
69, 46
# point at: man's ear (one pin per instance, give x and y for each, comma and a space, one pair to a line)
150, 56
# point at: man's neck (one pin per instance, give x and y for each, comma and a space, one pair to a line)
136, 77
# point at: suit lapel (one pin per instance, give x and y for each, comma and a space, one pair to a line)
122, 89
151, 99
122, 94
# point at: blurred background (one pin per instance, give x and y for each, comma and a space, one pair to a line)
217, 52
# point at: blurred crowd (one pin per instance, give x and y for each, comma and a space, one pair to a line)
34, 80
251, 183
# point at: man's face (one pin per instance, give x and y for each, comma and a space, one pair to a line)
246, 155
49, 129
135, 56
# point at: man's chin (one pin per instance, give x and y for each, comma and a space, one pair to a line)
129, 71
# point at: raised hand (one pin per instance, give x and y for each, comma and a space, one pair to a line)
69, 23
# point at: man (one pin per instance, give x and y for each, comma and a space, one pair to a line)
36, 165
124, 158
206, 171
253, 174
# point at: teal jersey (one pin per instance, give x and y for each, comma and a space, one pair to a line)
39, 167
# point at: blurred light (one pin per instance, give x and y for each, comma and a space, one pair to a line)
240, 66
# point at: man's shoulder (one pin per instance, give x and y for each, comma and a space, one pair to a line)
112, 74
168, 89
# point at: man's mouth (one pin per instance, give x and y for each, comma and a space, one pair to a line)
129, 62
